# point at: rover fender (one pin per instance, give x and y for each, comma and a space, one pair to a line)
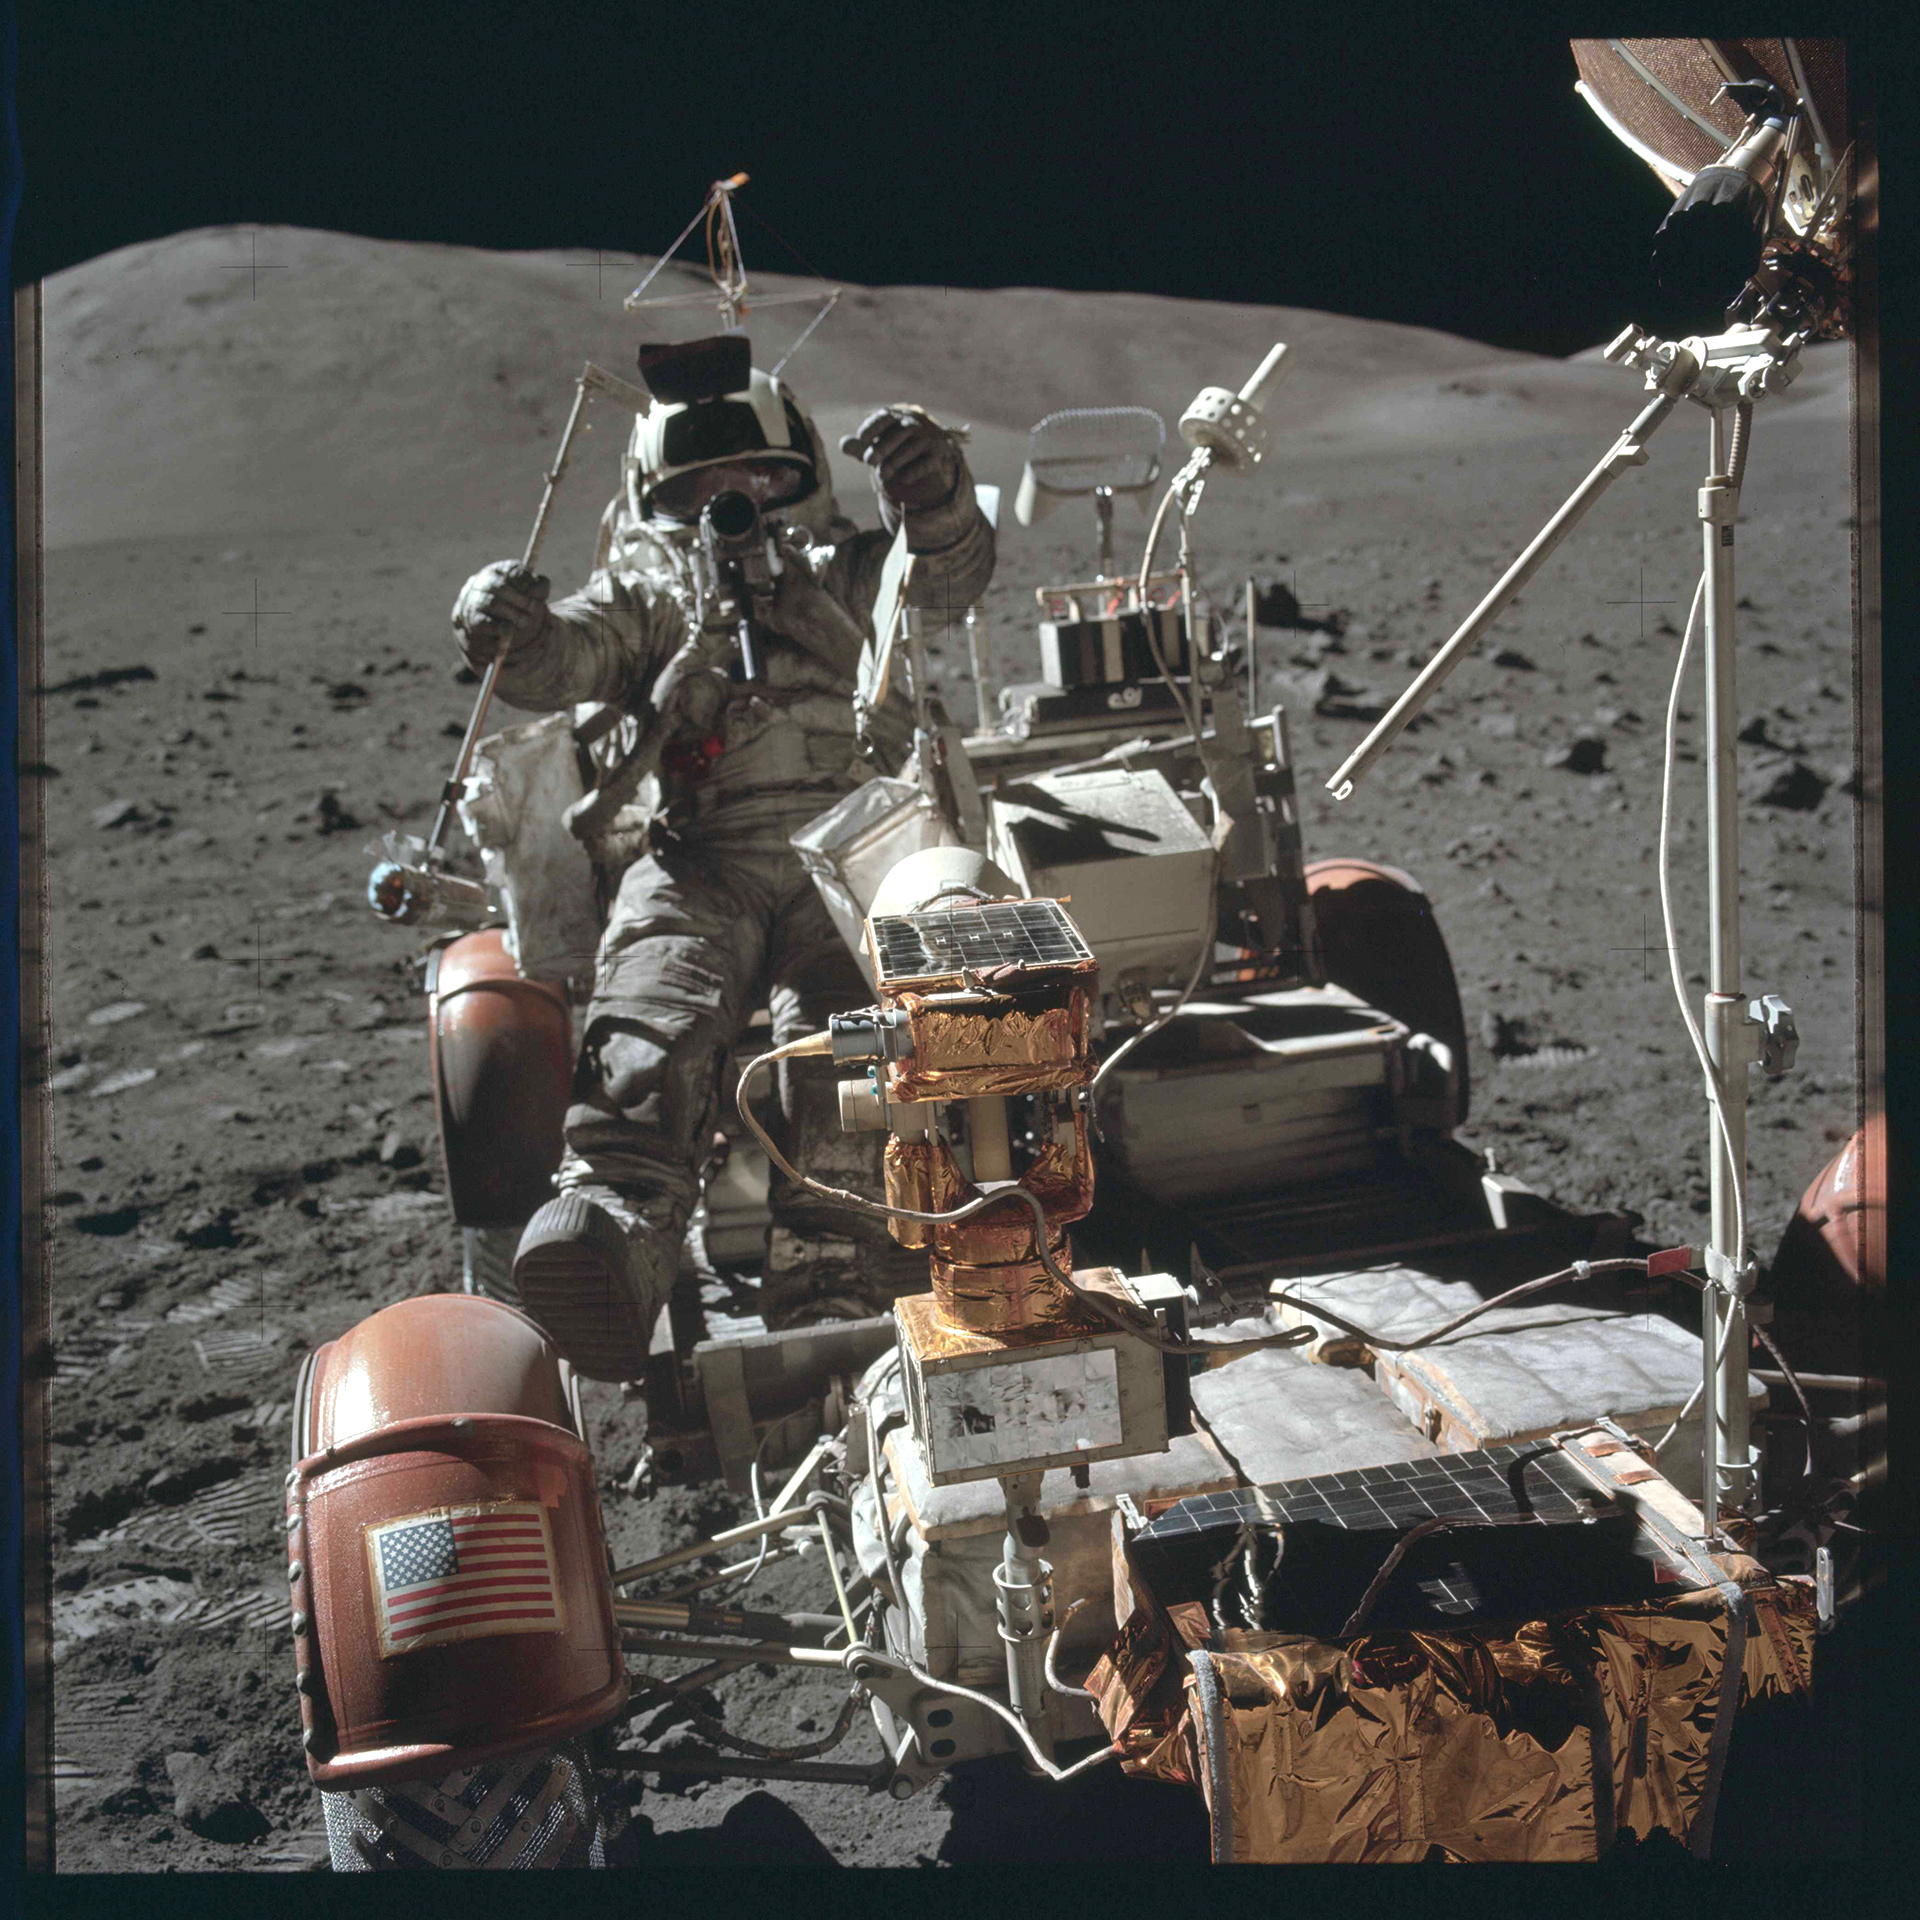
445, 1549
1831, 1267
1379, 939
501, 1053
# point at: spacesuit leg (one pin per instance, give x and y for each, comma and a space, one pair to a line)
684, 946
823, 1262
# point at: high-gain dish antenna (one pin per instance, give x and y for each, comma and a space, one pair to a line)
728, 272
1097, 451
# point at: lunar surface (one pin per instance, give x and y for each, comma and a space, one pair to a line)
272, 458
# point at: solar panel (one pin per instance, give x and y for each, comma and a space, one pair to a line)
1021, 933
1197, 1547
1492, 1484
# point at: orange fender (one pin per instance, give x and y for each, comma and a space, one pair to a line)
1379, 939
445, 1550
501, 1055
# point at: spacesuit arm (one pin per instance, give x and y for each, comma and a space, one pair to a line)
952, 545
606, 642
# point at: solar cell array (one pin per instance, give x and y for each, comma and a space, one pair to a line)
1518, 1481
1499, 1483
1032, 933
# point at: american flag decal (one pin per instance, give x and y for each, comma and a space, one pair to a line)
463, 1573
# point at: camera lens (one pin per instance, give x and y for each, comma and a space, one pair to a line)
732, 515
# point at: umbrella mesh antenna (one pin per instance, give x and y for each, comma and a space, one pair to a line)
1088, 447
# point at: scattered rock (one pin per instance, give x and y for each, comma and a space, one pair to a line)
209, 1228
1434, 771
106, 677
678, 1740
1513, 660
334, 818
453, 730
346, 693
239, 1015
1787, 783
70, 1077
213, 1406
207, 1804
1336, 699
176, 1483
1274, 605
1502, 726
112, 1015
117, 813
121, 1082
110, 1223
1507, 1039
1587, 753
206, 950
397, 1151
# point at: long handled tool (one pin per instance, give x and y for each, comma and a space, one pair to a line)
408, 886
1724, 373
591, 376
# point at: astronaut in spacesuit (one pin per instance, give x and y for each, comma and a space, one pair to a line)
713, 914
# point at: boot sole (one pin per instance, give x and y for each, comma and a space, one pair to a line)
571, 1275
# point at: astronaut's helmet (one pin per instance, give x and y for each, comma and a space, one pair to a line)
719, 423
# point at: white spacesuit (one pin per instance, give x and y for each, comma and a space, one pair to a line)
710, 909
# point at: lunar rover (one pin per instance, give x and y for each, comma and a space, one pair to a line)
1251, 1431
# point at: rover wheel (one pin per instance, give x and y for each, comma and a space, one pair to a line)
486, 1262
542, 1809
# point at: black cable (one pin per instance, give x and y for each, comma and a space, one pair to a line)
1581, 1270
1793, 1380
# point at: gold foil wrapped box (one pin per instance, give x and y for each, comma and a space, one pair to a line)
1545, 1736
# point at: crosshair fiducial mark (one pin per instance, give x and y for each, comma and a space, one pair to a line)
1293, 587
255, 266
598, 263
1642, 602
1646, 949
256, 613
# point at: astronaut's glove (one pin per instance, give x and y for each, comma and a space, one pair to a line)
501, 610
915, 463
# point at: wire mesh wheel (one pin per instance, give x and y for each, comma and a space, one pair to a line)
486, 1262
530, 1810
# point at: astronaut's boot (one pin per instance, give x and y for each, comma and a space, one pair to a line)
594, 1269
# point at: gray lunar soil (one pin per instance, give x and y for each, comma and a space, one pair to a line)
264, 489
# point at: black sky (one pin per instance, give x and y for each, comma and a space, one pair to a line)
1442, 174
